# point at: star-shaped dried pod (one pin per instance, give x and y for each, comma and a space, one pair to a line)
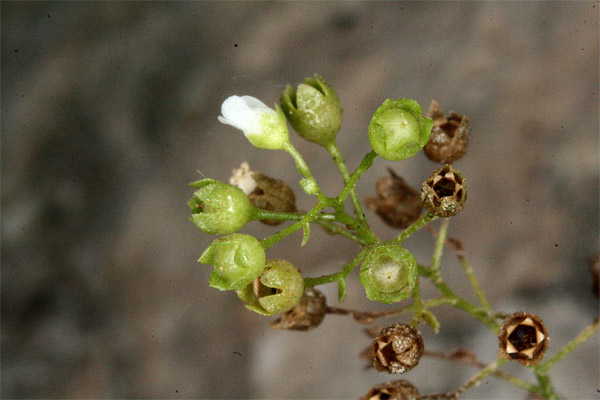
308, 314
395, 390
523, 337
449, 135
397, 349
444, 193
397, 204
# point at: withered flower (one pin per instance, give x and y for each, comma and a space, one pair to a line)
395, 390
523, 337
397, 349
272, 195
308, 314
449, 135
444, 193
397, 204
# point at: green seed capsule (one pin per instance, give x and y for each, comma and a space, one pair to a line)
238, 259
218, 208
388, 273
398, 129
279, 288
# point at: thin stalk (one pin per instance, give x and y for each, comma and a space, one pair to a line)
303, 168
364, 165
569, 347
334, 151
417, 304
310, 282
414, 227
309, 216
546, 386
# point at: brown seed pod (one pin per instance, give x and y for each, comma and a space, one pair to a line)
272, 195
523, 337
308, 314
444, 193
395, 390
397, 204
449, 136
397, 349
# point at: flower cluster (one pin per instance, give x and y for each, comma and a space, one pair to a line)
388, 271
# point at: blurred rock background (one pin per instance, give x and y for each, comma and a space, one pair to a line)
109, 110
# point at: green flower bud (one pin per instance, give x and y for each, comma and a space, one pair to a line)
219, 208
398, 129
238, 259
279, 288
388, 273
313, 109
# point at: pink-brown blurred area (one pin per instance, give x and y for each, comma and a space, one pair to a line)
109, 110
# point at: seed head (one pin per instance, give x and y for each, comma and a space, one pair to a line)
397, 204
444, 193
395, 390
449, 136
397, 349
523, 337
308, 314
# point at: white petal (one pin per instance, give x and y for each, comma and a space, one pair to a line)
256, 105
238, 114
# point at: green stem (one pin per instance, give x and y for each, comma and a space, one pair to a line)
445, 290
439, 249
569, 347
260, 214
474, 283
321, 280
309, 216
303, 168
417, 304
546, 386
418, 224
491, 368
338, 230
364, 165
334, 151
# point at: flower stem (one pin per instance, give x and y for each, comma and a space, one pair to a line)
303, 168
309, 216
310, 282
546, 386
415, 226
569, 347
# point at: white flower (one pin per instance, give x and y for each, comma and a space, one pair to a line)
242, 178
264, 127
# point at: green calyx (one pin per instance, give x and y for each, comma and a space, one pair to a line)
218, 208
313, 109
388, 273
398, 129
279, 288
274, 135
238, 260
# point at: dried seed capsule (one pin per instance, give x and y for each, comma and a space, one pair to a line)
449, 136
397, 349
308, 314
523, 337
398, 204
395, 390
444, 193
272, 195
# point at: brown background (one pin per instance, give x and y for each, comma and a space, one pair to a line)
110, 109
